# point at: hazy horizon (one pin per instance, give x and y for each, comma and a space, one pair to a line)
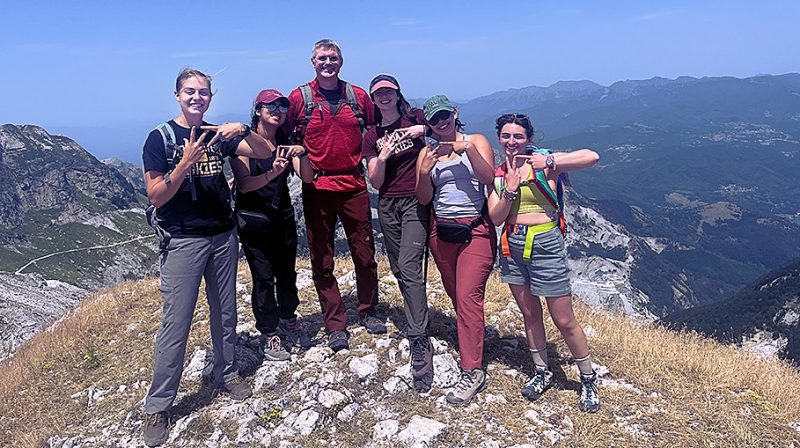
102, 65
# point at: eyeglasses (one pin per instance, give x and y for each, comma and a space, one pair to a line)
272, 107
442, 115
331, 59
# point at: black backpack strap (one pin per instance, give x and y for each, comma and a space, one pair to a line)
168, 137
308, 108
353, 102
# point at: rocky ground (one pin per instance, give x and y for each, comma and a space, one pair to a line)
29, 303
362, 396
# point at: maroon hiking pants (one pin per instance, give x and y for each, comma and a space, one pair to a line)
321, 208
465, 268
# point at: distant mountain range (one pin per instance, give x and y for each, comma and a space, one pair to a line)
706, 167
694, 196
57, 197
767, 310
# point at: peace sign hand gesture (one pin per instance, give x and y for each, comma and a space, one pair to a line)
281, 160
429, 159
193, 148
386, 146
512, 179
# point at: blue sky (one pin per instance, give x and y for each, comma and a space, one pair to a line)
100, 65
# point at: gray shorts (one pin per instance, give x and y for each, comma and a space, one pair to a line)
547, 272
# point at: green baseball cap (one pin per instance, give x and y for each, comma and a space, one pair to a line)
435, 104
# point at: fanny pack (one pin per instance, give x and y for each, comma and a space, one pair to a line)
251, 221
456, 232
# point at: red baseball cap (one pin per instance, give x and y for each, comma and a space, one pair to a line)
269, 96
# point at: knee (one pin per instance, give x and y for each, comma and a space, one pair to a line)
566, 324
531, 313
321, 271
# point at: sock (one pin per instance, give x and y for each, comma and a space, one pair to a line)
585, 365
539, 356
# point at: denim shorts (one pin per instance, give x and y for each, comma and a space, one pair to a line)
547, 272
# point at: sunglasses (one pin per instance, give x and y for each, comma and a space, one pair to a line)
272, 107
442, 115
514, 117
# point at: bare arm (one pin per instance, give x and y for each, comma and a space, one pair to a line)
575, 160
566, 161
376, 171
425, 163
500, 203
255, 146
302, 166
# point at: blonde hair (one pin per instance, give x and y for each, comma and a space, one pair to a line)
189, 72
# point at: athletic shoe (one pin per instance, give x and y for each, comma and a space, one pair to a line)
338, 340
469, 384
273, 349
238, 389
294, 332
590, 399
371, 322
156, 428
421, 362
537, 384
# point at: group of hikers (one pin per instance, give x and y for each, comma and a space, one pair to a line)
438, 189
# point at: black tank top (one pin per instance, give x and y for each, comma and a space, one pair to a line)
272, 198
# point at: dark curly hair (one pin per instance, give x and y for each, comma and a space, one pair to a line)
519, 119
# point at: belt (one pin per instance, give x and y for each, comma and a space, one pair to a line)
530, 231
352, 172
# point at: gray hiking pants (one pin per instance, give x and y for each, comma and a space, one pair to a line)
184, 262
404, 223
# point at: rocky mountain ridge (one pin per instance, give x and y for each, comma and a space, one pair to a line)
69, 224
764, 316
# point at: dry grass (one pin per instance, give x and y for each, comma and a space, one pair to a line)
677, 388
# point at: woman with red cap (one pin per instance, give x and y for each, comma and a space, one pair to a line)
267, 227
390, 149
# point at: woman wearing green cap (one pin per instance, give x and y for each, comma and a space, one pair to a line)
453, 171
390, 149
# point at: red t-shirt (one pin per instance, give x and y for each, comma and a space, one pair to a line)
333, 141
401, 168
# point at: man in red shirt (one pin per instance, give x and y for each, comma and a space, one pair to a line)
328, 116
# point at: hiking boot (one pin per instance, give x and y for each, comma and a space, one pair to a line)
156, 429
273, 349
590, 399
338, 340
421, 362
238, 389
537, 384
294, 332
371, 322
469, 384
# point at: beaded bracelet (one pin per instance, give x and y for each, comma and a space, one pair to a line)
509, 195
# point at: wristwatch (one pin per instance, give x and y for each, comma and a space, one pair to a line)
246, 130
550, 162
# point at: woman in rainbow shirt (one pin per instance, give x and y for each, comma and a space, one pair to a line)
534, 258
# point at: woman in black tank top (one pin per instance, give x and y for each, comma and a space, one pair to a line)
267, 227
